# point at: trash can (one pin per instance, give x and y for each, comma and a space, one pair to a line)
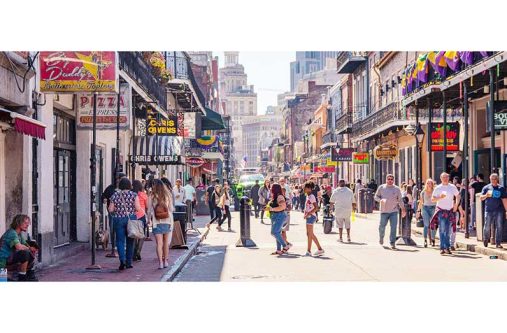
180, 216
369, 200
362, 201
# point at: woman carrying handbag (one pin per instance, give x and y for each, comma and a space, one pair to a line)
161, 216
123, 206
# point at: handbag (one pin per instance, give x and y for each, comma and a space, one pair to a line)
420, 222
135, 229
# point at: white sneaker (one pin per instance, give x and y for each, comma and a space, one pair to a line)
308, 254
319, 253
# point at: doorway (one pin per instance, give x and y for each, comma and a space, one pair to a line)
63, 196
482, 161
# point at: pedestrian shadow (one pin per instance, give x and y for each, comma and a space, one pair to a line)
289, 256
405, 250
322, 257
354, 243
464, 256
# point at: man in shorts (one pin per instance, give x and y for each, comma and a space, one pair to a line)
343, 200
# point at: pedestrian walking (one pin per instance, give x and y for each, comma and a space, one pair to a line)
343, 201
254, 195
106, 198
209, 202
276, 207
137, 187
302, 198
264, 194
286, 224
446, 206
190, 198
495, 202
161, 208
124, 206
310, 216
225, 203
426, 209
179, 193
215, 198
295, 197
389, 197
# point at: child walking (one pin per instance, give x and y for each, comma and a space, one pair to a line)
310, 216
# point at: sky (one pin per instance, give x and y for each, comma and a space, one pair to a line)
269, 72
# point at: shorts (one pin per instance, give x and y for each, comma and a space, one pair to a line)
340, 221
162, 228
311, 219
286, 224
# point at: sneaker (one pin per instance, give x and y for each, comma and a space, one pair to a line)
393, 247
319, 253
442, 252
499, 247
308, 254
229, 229
448, 251
219, 228
166, 264
340, 240
381, 242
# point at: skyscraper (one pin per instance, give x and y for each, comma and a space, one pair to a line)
308, 62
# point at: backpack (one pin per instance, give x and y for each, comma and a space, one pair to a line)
161, 211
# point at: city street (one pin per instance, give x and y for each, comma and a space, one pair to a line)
364, 259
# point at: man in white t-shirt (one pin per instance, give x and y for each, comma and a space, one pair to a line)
179, 193
190, 197
343, 200
447, 197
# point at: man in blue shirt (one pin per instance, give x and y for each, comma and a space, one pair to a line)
495, 198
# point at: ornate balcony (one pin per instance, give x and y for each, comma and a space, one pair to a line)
344, 122
133, 64
378, 120
347, 62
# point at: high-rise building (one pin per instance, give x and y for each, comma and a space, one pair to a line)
238, 98
308, 62
258, 134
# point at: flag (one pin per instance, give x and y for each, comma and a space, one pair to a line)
452, 59
422, 68
466, 57
437, 61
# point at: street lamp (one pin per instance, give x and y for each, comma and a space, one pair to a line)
419, 136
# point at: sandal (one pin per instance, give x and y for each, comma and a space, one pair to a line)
277, 253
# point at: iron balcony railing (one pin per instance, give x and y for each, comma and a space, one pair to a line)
135, 66
343, 58
389, 113
344, 122
180, 66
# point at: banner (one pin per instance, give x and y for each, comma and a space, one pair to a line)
164, 127
341, 154
360, 158
89, 71
437, 136
189, 125
386, 151
324, 169
107, 110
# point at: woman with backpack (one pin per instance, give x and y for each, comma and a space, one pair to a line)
215, 198
161, 215
123, 206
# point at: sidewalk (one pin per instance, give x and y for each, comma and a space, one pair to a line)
74, 268
471, 244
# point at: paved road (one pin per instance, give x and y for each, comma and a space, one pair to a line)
362, 260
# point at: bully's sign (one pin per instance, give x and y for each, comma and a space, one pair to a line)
500, 115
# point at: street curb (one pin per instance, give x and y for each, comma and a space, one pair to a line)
182, 261
473, 247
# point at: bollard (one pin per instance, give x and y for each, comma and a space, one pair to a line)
406, 230
244, 221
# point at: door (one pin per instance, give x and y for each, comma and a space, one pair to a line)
99, 156
62, 195
482, 162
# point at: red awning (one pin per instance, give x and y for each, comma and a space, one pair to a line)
26, 125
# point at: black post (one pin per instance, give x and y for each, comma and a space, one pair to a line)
492, 119
93, 181
465, 156
444, 110
428, 136
244, 221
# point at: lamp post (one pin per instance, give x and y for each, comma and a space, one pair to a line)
419, 135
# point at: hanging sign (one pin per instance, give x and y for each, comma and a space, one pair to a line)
437, 136
107, 110
386, 151
330, 162
323, 169
360, 158
164, 127
341, 154
500, 115
91, 71
194, 162
189, 125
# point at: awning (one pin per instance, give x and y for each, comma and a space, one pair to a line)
212, 121
157, 150
24, 125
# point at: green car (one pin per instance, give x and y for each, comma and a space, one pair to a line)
247, 181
